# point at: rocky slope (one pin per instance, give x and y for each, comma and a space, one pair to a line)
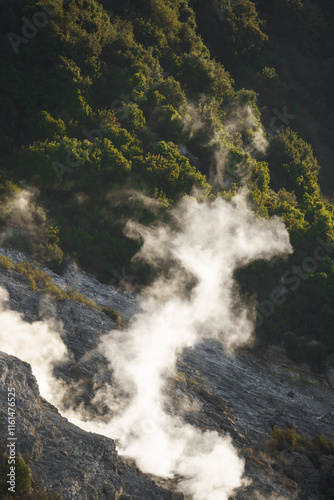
243, 395
75, 463
247, 395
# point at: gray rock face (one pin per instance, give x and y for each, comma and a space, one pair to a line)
299, 467
75, 463
268, 390
105, 295
243, 395
246, 395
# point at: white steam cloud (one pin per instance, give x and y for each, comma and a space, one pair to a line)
24, 223
21, 214
209, 242
39, 344
241, 119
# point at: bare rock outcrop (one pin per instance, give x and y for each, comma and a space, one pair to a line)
243, 395
68, 460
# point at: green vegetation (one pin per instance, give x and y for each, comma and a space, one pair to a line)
41, 281
22, 475
114, 315
318, 450
27, 486
280, 439
110, 99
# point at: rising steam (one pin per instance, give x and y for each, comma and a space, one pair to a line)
40, 344
20, 214
208, 242
241, 129
211, 242
24, 224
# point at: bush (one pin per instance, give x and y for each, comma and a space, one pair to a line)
6, 263
28, 486
280, 439
113, 314
22, 475
39, 280
42, 281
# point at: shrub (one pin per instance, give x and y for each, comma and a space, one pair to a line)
28, 487
113, 314
279, 439
285, 438
42, 281
39, 280
6, 263
22, 475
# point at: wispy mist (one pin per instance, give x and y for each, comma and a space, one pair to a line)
25, 225
241, 119
40, 344
210, 242
20, 214
240, 131
207, 242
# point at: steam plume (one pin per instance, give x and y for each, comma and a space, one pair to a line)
24, 222
39, 344
211, 242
